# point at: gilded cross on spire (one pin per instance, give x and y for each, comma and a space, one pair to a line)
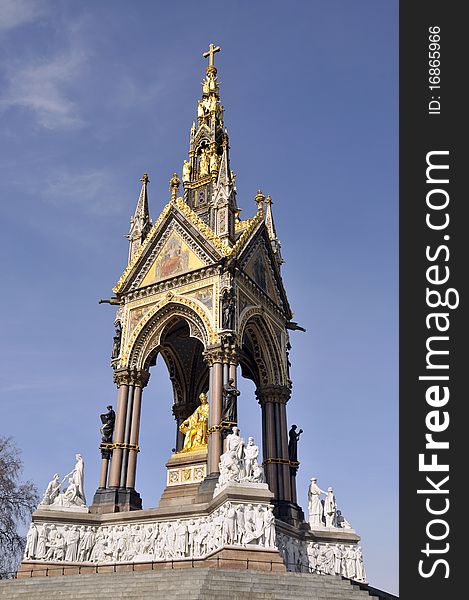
210, 54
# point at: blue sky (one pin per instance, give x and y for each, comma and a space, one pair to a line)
92, 94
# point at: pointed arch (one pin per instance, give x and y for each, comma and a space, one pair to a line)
157, 321
262, 358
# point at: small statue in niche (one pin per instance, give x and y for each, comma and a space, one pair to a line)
230, 393
228, 309
186, 171
214, 162
116, 341
108, 420
203, 163
293, 437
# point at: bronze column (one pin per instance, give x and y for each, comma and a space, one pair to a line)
269, 450
104, 470
140, 381
272, 399
214, 358
122, 379
283, 434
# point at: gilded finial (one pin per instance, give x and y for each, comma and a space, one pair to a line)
268, 201
145, 179
174, 184
260, 198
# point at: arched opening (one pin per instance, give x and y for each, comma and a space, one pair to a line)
188, 372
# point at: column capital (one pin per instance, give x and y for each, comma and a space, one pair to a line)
273, 393
214, 354
137, 377
226, 351
181, 410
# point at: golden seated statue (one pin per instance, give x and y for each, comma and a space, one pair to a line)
195, 427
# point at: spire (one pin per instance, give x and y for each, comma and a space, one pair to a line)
206, 175
140, 223
270, 225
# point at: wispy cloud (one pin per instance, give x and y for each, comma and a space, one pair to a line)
43, 87
93, 192
14, 13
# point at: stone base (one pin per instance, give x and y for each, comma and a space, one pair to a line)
259, 559
289, 512
186, 471
115, 500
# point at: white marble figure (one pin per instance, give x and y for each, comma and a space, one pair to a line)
251, 452
31, 541
350, 562
315, 508
330, 508
359, 566
313, 553
52, 490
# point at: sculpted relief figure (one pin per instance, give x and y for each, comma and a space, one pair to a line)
194, 427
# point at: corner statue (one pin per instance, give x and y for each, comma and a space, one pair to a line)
195, 427
108, 420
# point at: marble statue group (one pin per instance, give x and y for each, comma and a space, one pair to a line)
324, 513
73, 496
239, 463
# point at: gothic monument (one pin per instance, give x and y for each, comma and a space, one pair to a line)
203, 289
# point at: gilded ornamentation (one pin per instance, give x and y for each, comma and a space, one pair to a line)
195, 427
140, 251
146, 335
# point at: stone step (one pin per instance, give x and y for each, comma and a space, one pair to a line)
187, 584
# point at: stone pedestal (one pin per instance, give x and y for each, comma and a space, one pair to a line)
110, 500
186, 471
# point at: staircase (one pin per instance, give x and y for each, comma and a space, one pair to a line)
188, 584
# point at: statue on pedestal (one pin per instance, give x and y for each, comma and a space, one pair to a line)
230, 393
195, 427
108, 421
